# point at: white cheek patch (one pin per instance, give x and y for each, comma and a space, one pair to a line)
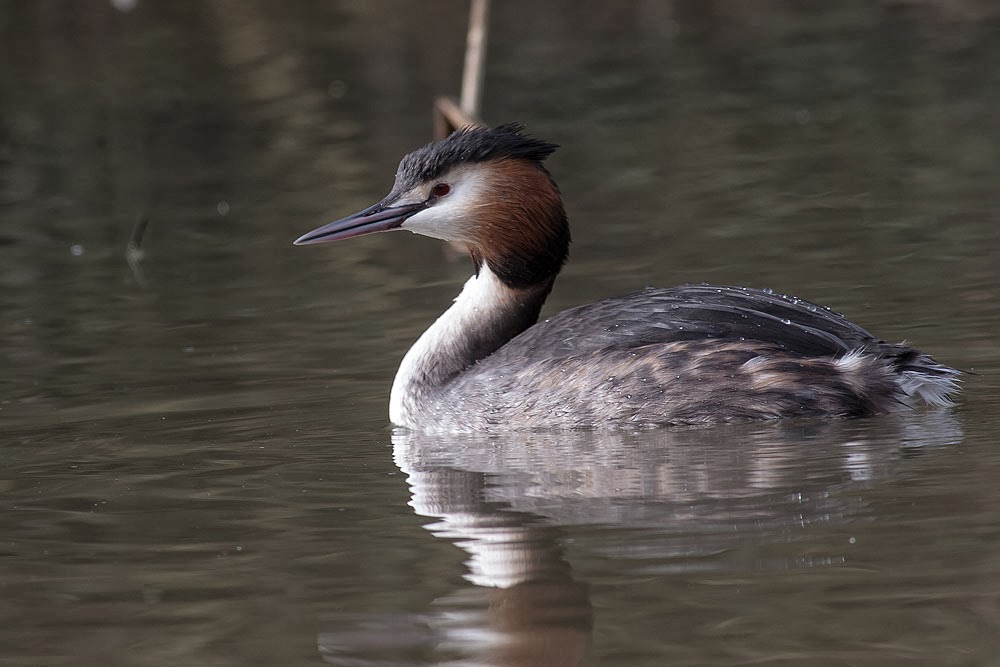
451, 217
440, 221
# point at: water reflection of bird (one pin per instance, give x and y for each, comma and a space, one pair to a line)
685, 355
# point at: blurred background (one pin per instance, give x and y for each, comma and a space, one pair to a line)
197, 465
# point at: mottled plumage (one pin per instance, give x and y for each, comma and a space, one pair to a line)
687, 355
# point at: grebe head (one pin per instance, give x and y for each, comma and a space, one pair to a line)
483, 188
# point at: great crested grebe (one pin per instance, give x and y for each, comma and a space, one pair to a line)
686, 355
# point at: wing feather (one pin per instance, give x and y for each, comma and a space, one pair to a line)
695, 312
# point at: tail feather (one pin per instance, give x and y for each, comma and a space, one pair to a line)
933, 384
921, 379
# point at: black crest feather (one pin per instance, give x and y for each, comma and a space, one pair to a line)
470, 145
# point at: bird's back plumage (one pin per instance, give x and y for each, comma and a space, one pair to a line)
689, 355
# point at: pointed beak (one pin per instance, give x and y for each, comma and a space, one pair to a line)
377, 218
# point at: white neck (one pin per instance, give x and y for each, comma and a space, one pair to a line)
484, 317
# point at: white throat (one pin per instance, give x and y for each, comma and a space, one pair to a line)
454, 342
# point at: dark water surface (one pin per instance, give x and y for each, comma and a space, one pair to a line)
196, 467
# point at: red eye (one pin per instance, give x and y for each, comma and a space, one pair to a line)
440, 190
